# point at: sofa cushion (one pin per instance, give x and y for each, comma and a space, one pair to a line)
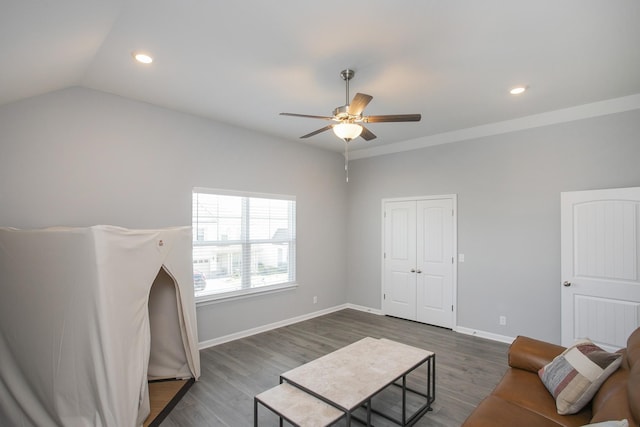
524, 389
576, 375
612, 400
633, 386
633, 393
494, 411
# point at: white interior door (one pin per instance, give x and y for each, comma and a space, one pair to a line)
435, 262
418, 260
600, 256
399, 297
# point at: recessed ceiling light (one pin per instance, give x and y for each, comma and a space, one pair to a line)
142, 57
517, 90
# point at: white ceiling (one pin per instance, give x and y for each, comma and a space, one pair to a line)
242, 63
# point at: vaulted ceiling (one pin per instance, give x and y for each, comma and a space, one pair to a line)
243, 63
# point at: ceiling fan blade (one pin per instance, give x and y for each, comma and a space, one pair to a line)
307, 116
359, 103
366, 134
392, 118
315, 132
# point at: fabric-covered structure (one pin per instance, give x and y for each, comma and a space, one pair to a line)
87, 316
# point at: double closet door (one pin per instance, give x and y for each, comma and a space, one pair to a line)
418, 260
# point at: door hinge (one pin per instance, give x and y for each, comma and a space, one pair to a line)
384, 296
451, 308
452, 260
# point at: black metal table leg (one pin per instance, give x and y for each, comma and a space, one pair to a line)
255, 412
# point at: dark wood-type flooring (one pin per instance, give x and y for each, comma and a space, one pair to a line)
467, 369
163, 396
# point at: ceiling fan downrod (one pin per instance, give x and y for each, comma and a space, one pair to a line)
346, 76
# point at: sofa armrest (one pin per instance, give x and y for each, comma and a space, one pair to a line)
531, 354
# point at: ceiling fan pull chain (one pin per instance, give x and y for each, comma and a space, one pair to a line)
346, 159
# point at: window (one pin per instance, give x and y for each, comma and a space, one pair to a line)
242, 243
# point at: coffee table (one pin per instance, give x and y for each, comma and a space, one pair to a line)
350, 377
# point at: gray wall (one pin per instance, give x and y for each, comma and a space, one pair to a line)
508, 189
78, 157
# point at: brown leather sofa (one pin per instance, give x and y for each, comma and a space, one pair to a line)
521, 399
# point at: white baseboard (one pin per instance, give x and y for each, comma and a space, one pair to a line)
264, 328
483, 334
365, 309
459, 329
286, 322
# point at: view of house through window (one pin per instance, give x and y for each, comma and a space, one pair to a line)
242, 242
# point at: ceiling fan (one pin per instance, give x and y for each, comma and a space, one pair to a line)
349, 117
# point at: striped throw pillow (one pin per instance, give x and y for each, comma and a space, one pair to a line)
574, 377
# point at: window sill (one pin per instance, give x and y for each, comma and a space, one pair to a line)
245, 293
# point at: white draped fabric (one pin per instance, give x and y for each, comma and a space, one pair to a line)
87, 316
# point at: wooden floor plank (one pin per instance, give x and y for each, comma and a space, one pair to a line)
163, 396
467, 368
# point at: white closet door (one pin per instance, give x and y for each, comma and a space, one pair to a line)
435, 262
399, 297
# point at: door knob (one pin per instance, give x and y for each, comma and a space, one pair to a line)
413, 270
419, 271
566, 283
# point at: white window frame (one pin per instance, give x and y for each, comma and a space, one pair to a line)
246, 244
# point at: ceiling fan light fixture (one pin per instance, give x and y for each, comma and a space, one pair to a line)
347, 131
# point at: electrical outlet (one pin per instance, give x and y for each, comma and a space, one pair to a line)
315, 300
503, 320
